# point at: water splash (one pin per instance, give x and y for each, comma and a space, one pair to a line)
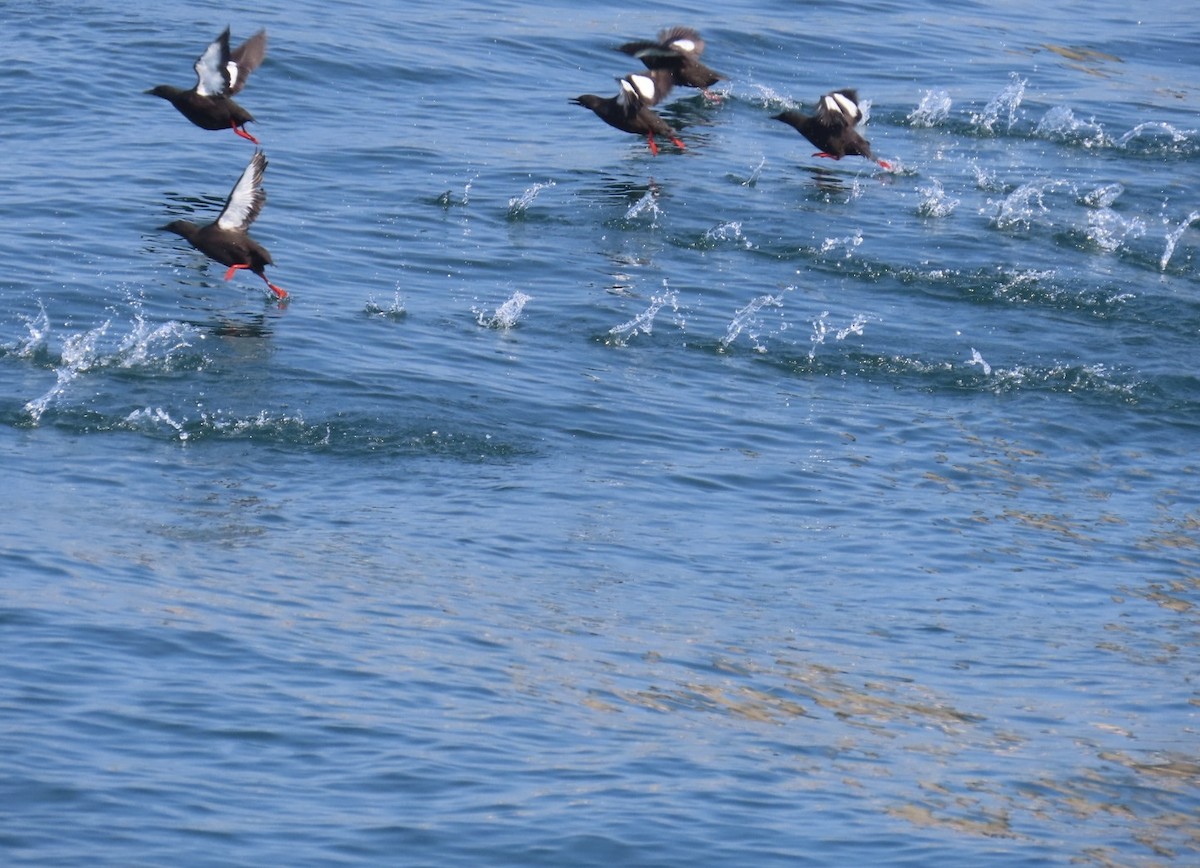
394, 311
1003, 104
933, 108
518, 205
1173, 238
731, 231
506, 315
156, 416
752, 180
986, 178
37, 328
934, 200
848, 243
1060, 124
746, 320
977, 359
1109, 230
79, 354
1156, 129
643, 323
1103, 196
648, 202
822, 330
1020, 206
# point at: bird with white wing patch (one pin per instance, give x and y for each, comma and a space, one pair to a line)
225, 239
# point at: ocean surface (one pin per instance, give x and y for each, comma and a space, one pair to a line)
585, 507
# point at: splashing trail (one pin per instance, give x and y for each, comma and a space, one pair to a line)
1003, 103
822, 330
746, 320
977, 359
1061, 124
848, 243
1019, 207
518, 205
648, 202
79, 354
1173, 238
643, 323
506, 315
932, 110
934, 201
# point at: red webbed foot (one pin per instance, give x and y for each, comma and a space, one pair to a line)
678, 143
652, 144
241, 131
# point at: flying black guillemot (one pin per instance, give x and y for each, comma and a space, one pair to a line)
630, 109
225, 239
676, 55
220, 73
832, 128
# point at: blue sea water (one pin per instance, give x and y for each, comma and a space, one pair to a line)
586, 507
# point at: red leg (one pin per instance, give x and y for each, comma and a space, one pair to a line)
241, 131
885, 164
678, 143
823, 154
279, 291
650, 142
233, 268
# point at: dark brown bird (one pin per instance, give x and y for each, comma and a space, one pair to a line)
220, 73
630, 109
676, 55
833, 127
225, 239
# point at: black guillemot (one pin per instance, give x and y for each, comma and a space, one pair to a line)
220, 73
225, 239
630, 109
833, 127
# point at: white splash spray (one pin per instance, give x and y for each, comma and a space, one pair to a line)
506, 315
1173, 238
1003, 104
643, 323
746, 320
518, 205
933, 108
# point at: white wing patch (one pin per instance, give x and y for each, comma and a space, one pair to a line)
644, 85
844, 105
247, 196
233, 75
685, 45
209, 78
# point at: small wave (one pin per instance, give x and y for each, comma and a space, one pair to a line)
933, 108
1002, 105
506, 315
